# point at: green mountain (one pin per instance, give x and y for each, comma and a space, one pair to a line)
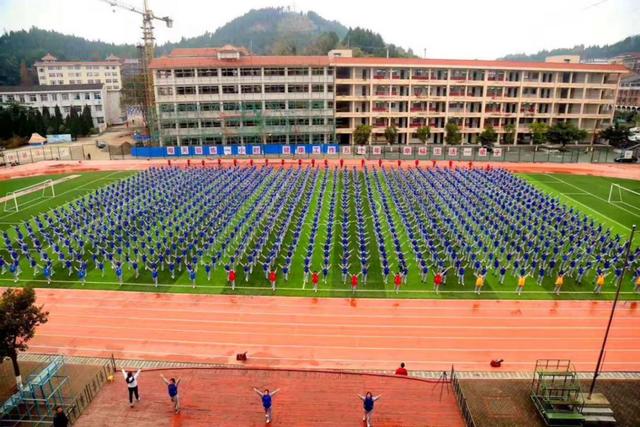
630, 44
275, 31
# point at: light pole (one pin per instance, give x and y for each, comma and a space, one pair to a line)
613, 309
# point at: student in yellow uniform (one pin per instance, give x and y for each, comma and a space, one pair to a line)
522, 280
559, 282
479, 283
599, 282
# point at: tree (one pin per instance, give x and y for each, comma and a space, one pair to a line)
73, 122
86, 121
509, 133
453, 135
19, 317
57, 119
361, 134
423, 133
488, 135
323, 44
539, 132
390, 134
617, 135
565, 133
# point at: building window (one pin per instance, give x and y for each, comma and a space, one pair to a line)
298, 88
229, 89
229, 72
231, 106
66, 110
208, 72
98, 108
317, 121
208, 90
54, 96
317, 88
185, 90
275, 105
317, 138
187, 107
273, 88
184, 73
317, 71
188, 124
251, 89
167, 108
232, 123
163, 74
100, 120
212, 106
43, 97
168, 125
275, 122
97, 95
329, 88
87, 96
252, 106
33, 98
210, 124
317, 105
298, 72
274, 71
65, 96
250, 72
298, 105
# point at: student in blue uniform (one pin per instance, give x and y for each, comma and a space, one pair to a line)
267, 402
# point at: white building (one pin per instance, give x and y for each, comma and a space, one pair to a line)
75, 96
51, 71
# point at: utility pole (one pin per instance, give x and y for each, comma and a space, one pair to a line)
613, 310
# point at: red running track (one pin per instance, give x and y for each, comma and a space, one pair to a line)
336, 332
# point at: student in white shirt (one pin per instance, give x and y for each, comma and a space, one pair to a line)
132, 384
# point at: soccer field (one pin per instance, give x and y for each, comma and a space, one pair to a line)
356, 203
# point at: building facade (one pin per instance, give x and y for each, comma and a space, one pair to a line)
215, 96
65, 97
206, 96
51, 71
629, 93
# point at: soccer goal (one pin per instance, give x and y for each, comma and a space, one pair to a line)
11, 200
624, 196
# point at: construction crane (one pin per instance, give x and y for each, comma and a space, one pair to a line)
148, 47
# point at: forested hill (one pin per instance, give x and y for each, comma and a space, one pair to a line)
275, 31
630, 44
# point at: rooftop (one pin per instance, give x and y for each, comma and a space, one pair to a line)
50, 88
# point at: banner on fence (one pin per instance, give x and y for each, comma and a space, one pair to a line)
497, 152
437, 151
467, 151
184, 151
63, 137
300, 149
213, 151
376, 150
482, 152
422, 151
171, 151
242, 150
331, 149
407, 151
198, 151
316, 149
452, 152
361, 149
226, 151
286, 149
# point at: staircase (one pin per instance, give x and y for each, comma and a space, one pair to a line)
597, 410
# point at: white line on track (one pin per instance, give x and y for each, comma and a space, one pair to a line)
321, 335
146, 340
166, 309
164, 319
191, 355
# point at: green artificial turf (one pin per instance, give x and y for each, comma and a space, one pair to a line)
587, 194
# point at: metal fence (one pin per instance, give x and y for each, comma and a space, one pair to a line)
88, 393
462, 401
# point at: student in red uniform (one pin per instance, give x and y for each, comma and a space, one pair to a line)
402, 370
397, 281
232, 279
315, 278
272, 279
437, 282
354, 283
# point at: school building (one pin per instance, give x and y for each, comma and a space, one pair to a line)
228, 96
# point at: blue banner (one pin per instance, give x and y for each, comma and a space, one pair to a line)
237, 150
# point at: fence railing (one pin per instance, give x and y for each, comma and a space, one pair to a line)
462, 401
88, 393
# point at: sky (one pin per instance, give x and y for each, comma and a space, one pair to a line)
467, 29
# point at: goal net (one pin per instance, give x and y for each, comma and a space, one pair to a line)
13, 200
624, 196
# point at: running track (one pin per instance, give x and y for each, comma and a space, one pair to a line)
336, 332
